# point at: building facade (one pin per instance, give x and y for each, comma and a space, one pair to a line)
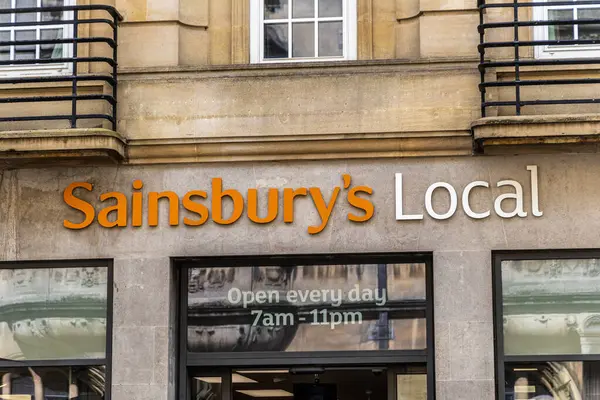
299, 199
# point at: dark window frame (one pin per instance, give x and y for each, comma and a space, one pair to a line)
325, 358
500, 358
84, 362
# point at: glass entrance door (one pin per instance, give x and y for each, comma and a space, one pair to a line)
310, 383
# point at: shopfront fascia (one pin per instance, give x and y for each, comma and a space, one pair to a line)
148, 258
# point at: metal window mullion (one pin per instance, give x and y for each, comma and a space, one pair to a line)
290, 33
74, 72
316, 22
38, 47
481, 61
38, 32
575, 26
345, 34
283, 21
331, 19
13, 18
261, 30
517, 57
275, 21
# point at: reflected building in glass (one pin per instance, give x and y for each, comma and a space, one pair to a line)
346, 292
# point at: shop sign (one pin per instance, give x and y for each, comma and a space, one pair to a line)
117, 211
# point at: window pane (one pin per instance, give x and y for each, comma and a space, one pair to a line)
561, 32
4, 50
304, 40
26, 17
57, 313
330, 8
5, 4
589, 31
331, 39
280, 384
25, 52
206, 387
411, 387
276, 41
276, 9
85, 383
553, 380
551, 306
306, 308
51, 50
303, 9
52, 15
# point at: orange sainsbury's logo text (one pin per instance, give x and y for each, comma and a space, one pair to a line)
197, 207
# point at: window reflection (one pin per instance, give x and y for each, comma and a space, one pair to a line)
411, 387
33, 383
307, 308
360, 383
539, 311
276, 41
53, 313
553, 380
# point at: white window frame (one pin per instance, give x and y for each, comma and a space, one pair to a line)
51, 69
350, 21
570, 51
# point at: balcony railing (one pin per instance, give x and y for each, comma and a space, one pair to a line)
58, 60
514, 75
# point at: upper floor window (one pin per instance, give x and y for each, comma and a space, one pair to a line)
28, 27
303, 30
580, 22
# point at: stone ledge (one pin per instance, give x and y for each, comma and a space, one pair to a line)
162, 151
538, 130
60, 145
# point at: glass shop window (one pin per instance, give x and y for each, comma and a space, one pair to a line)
548, 325
53, 331
353, 330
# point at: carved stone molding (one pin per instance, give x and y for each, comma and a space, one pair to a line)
317, 147
513, 132
240, 32
36, 147
365, 29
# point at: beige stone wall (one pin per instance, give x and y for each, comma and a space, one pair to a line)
434, 99
215, 32
185, 82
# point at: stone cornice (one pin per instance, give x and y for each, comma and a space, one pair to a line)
318, 147
40, 146
536, 130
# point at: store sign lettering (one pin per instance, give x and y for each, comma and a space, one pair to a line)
197, 207
516, 197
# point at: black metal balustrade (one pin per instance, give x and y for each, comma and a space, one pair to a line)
518, 65
102, 69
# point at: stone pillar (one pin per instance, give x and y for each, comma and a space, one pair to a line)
142, 329
464, 344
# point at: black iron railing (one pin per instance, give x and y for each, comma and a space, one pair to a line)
99, 58
519, 65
